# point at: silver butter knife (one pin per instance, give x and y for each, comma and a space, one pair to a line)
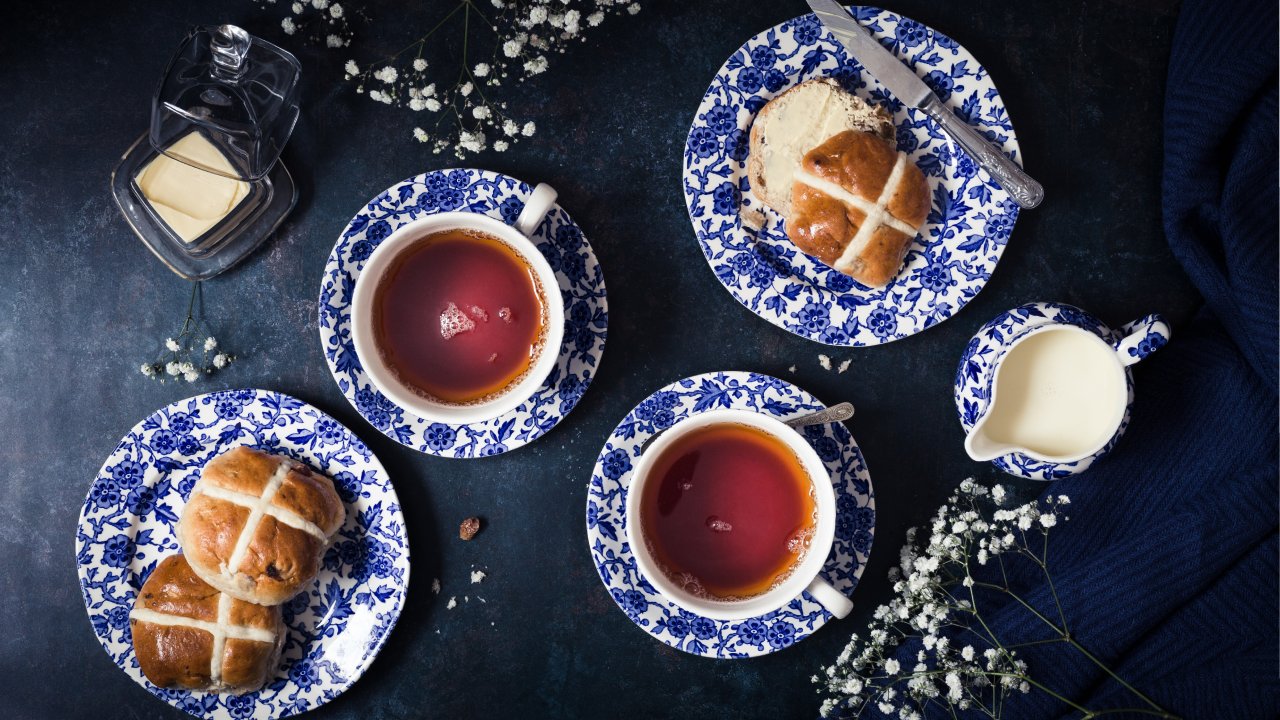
912, 91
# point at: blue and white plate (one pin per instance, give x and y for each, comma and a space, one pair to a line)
607, 502
335, 627
560, 240
968, 224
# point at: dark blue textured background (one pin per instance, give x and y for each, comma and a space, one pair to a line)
82, 303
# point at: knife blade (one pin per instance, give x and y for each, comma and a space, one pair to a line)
911, 90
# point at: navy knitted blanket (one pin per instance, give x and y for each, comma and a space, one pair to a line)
1167, 569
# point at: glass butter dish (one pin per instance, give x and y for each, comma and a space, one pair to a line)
205, 185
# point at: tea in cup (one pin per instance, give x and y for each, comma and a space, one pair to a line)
457, 317
731, 515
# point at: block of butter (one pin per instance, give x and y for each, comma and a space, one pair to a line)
188, 199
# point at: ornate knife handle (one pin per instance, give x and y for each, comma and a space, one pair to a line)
1025, 191
835, 413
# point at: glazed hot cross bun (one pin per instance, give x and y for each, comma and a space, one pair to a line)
187, 634
257, 525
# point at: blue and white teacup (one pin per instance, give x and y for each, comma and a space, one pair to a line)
804, 577
517, 238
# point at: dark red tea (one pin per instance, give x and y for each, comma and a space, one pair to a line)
459, 316
728, 511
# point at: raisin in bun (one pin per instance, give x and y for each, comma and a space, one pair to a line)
257, 525
187, 634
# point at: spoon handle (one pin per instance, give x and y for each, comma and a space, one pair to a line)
835, 413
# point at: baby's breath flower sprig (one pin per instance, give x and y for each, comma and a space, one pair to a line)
177, 362
937, 592
501, 40
319, 21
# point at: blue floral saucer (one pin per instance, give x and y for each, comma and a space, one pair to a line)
606, 516
335, 628
561, 242
968, 224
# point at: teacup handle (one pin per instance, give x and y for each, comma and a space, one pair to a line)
836, 602
536, 208
1141, 338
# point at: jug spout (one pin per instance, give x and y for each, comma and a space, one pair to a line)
981, 446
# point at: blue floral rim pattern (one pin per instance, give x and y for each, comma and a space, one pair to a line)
606, 516
334, 628
968, 225
558, 238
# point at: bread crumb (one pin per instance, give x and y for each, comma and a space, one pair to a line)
435, 586
466, 598
751, 218
453, 603
477, 576
791, 369
844, 366
469, 528
486, 602
825, 362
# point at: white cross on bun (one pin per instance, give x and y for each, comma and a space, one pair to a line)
828, 163
257, 525
187, 634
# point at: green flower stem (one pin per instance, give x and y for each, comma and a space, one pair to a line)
1032, 643
1138, 711
191, 305
1044, 566
1067, 638
1004, 671
1024, 603
420, 41
1159, 710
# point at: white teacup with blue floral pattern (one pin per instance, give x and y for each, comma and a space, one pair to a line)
1055, 385
516, 237
804, 577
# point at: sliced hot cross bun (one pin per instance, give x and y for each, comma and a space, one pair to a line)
797, 121
187, 634
257, 525
856, 204
827, 162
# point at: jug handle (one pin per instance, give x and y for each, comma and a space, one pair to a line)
1141, 338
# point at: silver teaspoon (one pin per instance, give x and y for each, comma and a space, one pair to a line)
835, 413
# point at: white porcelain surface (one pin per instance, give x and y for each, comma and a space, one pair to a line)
558, 238
607, 517
804, 573
384, 378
